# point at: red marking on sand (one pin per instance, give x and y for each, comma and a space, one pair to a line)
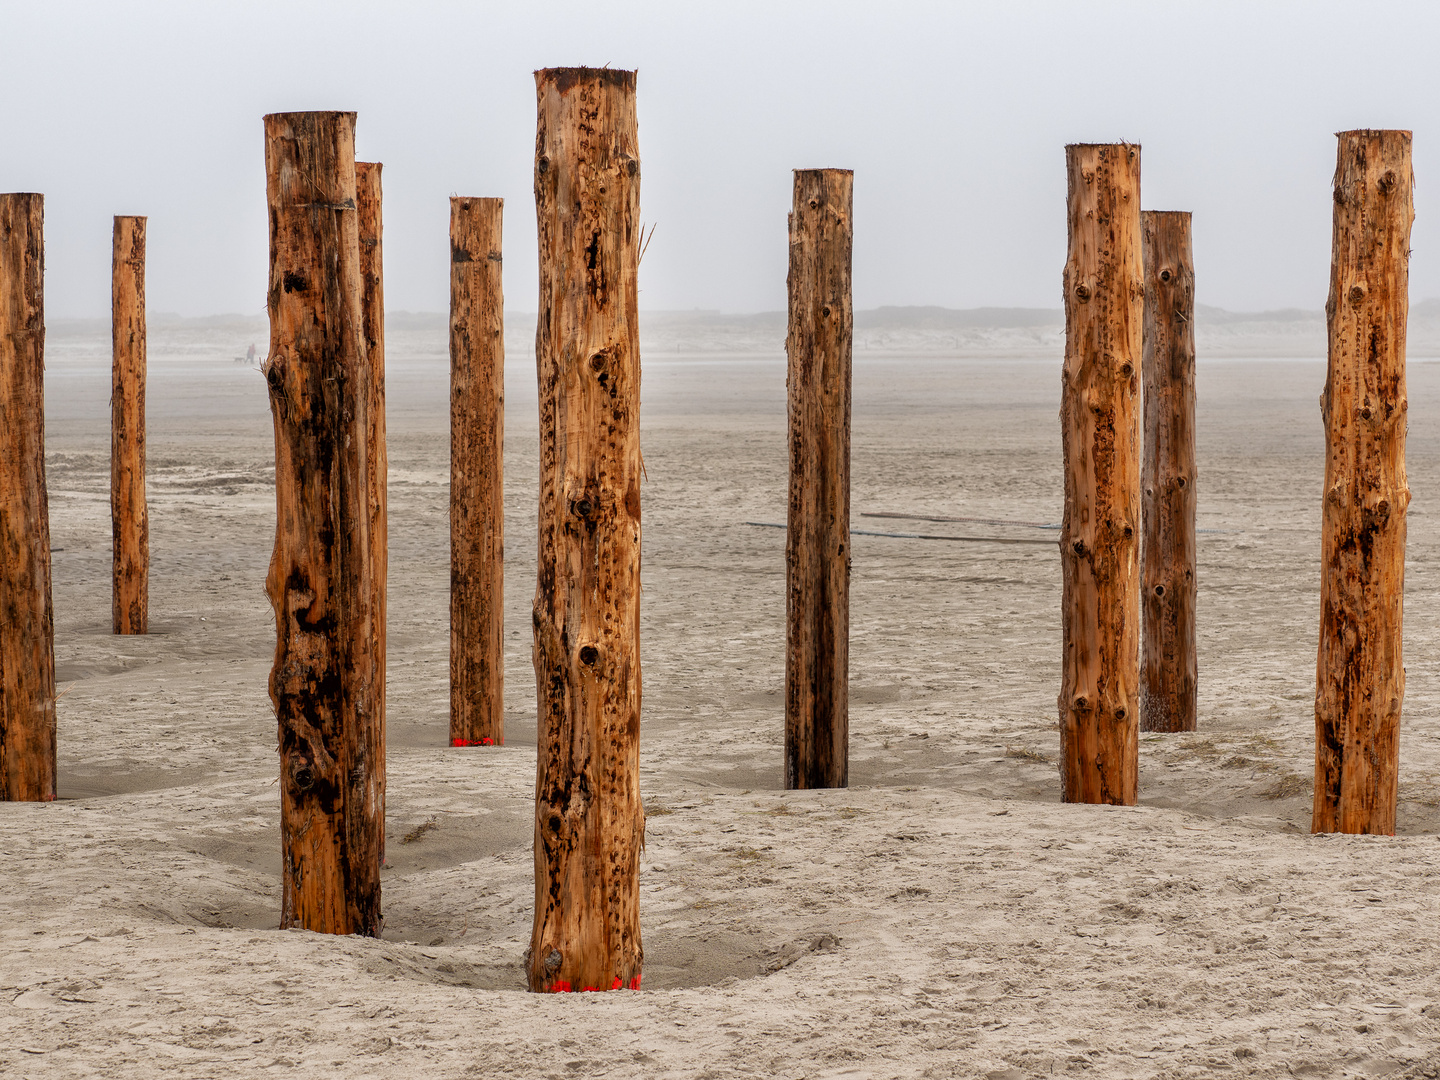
472, 742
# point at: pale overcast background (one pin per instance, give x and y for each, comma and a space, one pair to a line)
953, 115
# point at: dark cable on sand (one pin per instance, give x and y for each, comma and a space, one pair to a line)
919, 536
993, 521
969, 520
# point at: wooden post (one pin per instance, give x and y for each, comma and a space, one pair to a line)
589, 822
477, 478
1100, 432
27, 653
1167, 667
129, 515
1360, 677
817, 549
323, 683
377, 462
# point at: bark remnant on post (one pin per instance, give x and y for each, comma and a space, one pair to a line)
129, 513
817, 555
1360, 675
1100, 431
589, 821
377, 463
320, 582
477, 475
27, 629
1168, 588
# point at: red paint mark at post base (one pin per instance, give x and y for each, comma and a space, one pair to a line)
472, 742
561, 986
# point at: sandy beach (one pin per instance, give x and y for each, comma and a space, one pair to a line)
943, 917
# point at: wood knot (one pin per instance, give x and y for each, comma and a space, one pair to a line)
1120, 713
814, 204
1386, 183
303, 776
1357, 293
1082, 293
1081, 704
1078, 547
553, 961
1159, 590
589, 654
1179, 481
583, 508
1365, 412
1127, 369
1165, 276
542, 166
631, 166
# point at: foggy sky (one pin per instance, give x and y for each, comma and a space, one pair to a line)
953, 115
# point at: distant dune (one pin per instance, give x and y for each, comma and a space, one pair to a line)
933, 331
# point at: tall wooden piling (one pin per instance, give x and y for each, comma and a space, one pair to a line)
1167, 480
817, 549
477, 475
1100, 433
377, 463
1360, 676
589, 822
323, 684
27, 653
129, 513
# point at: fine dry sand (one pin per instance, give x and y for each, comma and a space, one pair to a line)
945, 916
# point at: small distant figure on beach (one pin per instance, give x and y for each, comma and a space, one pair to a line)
250, 354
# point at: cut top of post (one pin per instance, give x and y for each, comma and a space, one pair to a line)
1371, 133
1135, 146
567, 78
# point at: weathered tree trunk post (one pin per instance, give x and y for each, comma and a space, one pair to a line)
817, 548
1168, 666
323, 683
1100, 430
377, 462
1360, 677
589, 822
477, 475
27, 634
129, 514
